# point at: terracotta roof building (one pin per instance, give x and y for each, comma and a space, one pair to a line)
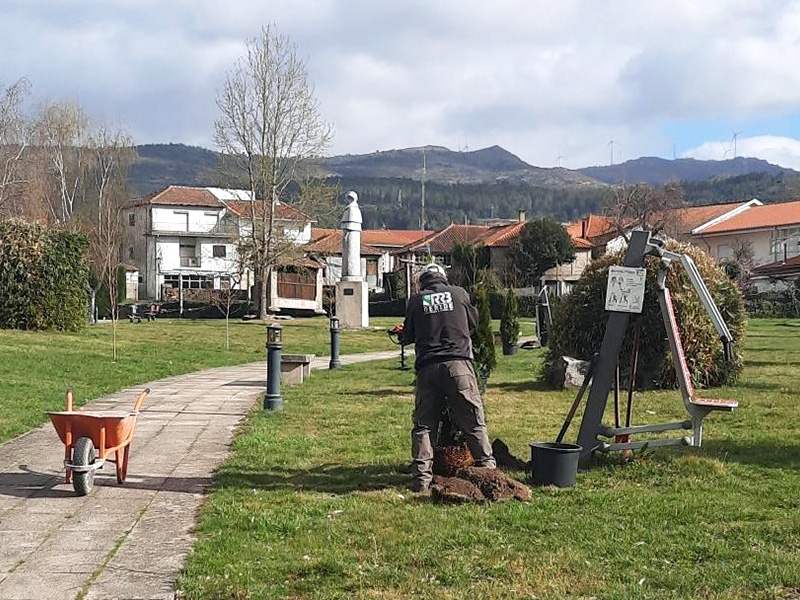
772, 231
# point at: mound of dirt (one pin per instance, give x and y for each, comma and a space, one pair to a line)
481, 484
453, 490
506, 460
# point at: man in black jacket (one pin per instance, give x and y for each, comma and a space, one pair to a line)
438, 321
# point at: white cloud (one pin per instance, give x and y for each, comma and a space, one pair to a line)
543, 79
783, 151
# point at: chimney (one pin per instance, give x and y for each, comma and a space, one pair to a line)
521, 216
583, 228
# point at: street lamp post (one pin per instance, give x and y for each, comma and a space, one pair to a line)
273, 399
335, 332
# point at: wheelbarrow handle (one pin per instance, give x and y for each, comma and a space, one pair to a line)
140, 399
70, 400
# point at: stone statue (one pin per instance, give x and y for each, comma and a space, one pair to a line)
351, 239
352, 295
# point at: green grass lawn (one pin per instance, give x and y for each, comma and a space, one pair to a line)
37, 367
311, 503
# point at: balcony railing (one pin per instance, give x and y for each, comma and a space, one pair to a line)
216, 230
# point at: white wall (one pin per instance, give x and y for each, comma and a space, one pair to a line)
720, 246
200, 220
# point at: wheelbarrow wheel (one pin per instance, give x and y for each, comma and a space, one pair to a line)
83, 456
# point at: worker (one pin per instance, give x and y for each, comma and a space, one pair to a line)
438, 321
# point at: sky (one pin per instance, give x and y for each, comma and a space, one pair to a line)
570, 83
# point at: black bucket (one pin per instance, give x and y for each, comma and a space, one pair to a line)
554, 463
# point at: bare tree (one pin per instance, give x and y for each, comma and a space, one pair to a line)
228, 293
108, 157
13, 141
61, 136
269, 128
640, 205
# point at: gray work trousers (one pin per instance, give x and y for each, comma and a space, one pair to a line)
450, 383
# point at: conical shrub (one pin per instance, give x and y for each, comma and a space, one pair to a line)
579, 321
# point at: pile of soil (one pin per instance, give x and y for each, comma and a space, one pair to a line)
505, 459
447, 460
481, 484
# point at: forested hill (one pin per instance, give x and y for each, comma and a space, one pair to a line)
442, 165
479, 191
659, 171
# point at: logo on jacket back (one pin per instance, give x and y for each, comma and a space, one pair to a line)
436, 303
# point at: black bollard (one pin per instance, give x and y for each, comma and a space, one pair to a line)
273, 399
335, 331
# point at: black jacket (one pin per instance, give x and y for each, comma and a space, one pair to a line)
439, 320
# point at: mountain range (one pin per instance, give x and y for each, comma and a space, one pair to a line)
160, 165
482, 184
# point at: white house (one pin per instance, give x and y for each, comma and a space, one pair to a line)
186, 238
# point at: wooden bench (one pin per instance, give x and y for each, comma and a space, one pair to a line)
295, 368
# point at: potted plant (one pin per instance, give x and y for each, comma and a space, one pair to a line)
483, 338
509, 324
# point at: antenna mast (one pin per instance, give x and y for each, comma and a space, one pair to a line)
424, 170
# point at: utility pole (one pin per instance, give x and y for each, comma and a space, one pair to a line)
424, 170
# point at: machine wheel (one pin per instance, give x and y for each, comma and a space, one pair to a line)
83, 455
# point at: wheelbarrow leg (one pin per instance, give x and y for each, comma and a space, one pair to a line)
68, 457
68, 453
126, 454
120, 456
68, 438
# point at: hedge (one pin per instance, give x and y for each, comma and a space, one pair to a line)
43, 277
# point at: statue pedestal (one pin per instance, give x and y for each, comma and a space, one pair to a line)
352, 304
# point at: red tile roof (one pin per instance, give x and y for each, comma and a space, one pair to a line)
766, 216
778, 268
582, 244
396, 238
691, 217
332, 244
592, 226
317, 233
442, 242
179, 195
283, 211
504, 235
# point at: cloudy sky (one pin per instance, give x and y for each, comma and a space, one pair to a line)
552, 81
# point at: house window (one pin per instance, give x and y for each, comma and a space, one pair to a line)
219, 251
189, 258
131, 219
788, 237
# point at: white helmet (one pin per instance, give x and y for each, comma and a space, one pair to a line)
434, 268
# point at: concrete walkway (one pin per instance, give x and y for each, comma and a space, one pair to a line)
123, 541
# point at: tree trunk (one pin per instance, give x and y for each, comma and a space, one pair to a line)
93, 306
263, 309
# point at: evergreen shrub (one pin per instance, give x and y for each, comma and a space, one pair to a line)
509, 321
482, 336
43, 277
579, 322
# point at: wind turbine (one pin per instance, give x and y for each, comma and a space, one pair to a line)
559, 158
611, 143
735, 137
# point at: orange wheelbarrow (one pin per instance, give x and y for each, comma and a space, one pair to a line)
89, 439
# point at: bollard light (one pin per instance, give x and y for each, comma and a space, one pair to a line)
273, 399
335, 332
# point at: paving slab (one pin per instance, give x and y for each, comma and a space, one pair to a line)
123, 541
